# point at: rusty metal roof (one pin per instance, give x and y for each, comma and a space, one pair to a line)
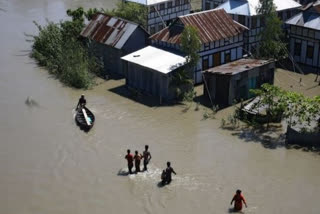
212, 25
109, 30
238, 66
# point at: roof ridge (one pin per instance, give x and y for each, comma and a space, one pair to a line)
205, 11
131, 22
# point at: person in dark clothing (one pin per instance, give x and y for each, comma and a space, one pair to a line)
82, 101
129, 158
137, 159
169, 171
146, 157
163, 177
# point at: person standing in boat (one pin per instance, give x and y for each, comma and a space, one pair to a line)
137, 159
146, 158
82, 101
238, 199
129, 158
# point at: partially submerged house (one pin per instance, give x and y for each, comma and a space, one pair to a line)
162, 12
151, 69
245, 12
221, 38
110, 38
304, 35
233, 81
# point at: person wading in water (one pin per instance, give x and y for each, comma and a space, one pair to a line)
146, 158
129, 158
238, 199
137, 158
168, 174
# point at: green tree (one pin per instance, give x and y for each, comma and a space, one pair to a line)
272, 97
59, 49
72, 29
190, 45
182, 80
130, 11
271, 45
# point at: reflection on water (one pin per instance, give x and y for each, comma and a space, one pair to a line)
48, 165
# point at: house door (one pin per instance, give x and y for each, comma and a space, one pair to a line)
252, 85
216, 59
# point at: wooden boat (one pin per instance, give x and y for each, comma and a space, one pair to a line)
85, 118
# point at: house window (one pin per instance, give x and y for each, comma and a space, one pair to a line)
299, 30
305, 32
293, 29
152, 30
207, 6
160, 26
227, 57
162, 6
177, 3
280, 15
262, 21
288, 14
254, 22
242, 20
206, 46
205, 64
311, 34
297, 49
215, 4
169, 4
185, 1
310, 52
152, 9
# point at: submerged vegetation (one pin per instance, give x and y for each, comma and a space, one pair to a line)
295, 108
59, 48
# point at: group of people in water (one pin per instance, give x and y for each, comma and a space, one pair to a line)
146, 156
166, 176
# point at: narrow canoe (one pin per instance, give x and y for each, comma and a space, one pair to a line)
85, 118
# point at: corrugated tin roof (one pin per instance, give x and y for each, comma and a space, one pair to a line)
109, 30
156, 59
148, 2
212, 25
306, 19
238, 66
249, 7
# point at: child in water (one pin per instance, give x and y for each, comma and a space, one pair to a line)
238, 199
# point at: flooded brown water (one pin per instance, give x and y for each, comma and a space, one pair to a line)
47, 165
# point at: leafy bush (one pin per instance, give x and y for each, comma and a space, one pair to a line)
58, 48
131, 11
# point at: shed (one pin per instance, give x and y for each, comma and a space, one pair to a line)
150, 71
111, 38
232, 81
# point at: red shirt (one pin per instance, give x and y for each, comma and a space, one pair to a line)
129, 158
238, 201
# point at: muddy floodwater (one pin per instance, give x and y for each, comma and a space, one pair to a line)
48, 165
